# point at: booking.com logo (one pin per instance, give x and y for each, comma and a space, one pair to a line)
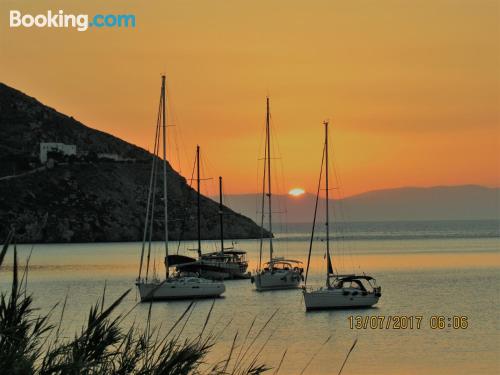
61, 20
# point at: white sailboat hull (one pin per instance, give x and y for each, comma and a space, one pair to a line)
278, 279
325, 298
180, 288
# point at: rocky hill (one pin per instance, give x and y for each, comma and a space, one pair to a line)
87, 201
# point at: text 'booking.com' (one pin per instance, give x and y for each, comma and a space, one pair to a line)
80, 22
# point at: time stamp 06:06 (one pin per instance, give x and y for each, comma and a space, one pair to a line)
437, 322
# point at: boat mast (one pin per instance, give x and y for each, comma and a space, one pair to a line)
263, 203
268, 138
221, 217
151, 190
198, 197
315, 214
165, 197
327, 219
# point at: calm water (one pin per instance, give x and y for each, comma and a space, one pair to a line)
432, 268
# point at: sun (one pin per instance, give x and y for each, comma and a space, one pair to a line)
296, 192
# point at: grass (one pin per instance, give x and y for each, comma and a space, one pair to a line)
31, 344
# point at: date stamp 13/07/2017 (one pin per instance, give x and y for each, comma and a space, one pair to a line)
435, 322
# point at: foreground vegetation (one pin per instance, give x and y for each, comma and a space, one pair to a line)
31, 344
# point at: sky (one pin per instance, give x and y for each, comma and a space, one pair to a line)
411, 89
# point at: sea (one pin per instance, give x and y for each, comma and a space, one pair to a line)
443, 274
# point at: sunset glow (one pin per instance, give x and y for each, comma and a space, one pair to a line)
296, 192
412, 94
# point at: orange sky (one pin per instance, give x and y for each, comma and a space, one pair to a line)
412, 88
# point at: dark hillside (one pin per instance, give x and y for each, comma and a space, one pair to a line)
88, 200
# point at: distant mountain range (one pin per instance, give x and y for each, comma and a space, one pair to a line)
89, 199
466, 202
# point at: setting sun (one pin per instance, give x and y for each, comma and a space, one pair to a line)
296, 192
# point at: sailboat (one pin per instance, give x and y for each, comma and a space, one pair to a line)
175, 285
278, 272
228, 263
341, 291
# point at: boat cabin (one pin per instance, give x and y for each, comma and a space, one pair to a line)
227, 256
361, 283
281, 264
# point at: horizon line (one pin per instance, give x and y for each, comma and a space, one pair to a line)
377, 190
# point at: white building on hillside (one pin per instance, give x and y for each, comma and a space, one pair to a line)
46, 147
